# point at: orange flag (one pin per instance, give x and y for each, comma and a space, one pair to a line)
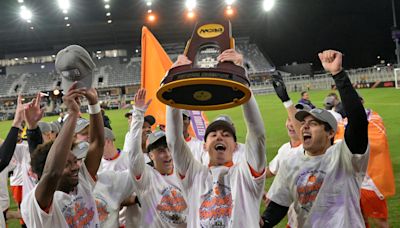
379, 166
155, 63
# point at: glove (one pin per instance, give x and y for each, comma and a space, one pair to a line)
279, 86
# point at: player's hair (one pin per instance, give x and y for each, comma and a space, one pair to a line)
39, 156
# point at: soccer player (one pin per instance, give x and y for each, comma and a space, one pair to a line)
7, 149
63, 196
305, 99
324, 181
158, 188
223, 194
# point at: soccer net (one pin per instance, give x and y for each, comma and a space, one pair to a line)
397, 77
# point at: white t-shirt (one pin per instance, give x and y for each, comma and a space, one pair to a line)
284, 152
163, 204
4, 196
76, 209
238, 155
223, 196
325, 189
196, 147
118, 164
16, 179
111, 189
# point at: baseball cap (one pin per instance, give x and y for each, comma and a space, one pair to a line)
329, 102
155, 136
320, 114
74, 64
301, 106
221, 122
150, 119
186, 113
108, 134
80, 149
128, 113
81, 124
54, 127
44, 127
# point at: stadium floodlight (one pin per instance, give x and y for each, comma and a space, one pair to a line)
149, 3
25, 13
106, 0
151, 17
229, 2
268, 5
109, 21
190, 14
64, 5
107, 6
20, 1
68, 25
66, 18
108, 14
190, 4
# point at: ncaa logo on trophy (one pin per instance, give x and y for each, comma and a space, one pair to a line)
206, 84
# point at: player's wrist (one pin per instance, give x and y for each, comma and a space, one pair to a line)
287, 103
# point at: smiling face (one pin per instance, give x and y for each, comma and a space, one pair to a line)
162, 159
316, 139
69, 179
220, 145
290, 130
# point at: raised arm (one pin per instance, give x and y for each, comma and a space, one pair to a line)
58, 154
96, 133
356, 133
255, 138
8, 147
33, 114
136, 156
176, 143
281, 92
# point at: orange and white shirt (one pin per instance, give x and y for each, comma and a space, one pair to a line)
76, 209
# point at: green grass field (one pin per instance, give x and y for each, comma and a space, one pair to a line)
385, 101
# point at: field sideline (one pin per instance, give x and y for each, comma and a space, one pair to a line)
385, 101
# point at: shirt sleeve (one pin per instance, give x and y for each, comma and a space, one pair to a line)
32, 214
279, 192
8, 147
136, 157
255, 138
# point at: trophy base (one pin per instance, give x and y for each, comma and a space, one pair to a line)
203, 94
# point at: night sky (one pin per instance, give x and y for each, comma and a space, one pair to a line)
297, 30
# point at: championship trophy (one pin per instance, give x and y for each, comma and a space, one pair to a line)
206, 84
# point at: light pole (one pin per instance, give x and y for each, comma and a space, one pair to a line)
396, 34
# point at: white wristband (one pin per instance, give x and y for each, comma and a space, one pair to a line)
288, 103
94, 109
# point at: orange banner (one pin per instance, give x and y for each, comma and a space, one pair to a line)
155, 63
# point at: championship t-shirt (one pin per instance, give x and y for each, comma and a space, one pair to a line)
325, 189
76, 209
284, 152
163, 204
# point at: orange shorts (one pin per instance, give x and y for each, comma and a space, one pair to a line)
17, 194
372, 206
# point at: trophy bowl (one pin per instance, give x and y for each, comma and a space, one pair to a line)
206, 84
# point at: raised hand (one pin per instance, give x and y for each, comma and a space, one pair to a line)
19, 113
231, 55
140, 100
181, 60
91, 96
331, 61
33, 113
72, 98
279, 86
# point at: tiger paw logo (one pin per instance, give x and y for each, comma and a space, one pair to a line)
78, 215
216, 209
172, 206
308, 185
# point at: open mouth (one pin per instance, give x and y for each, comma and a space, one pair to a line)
220, 147
168, 161
306, 137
